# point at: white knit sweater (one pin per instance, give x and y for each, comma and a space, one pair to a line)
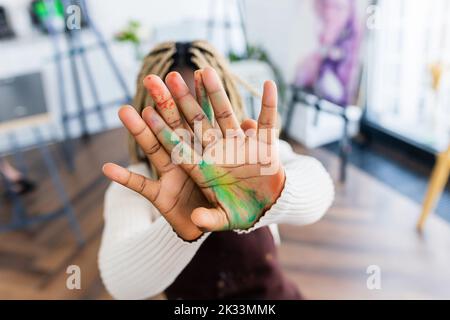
141, 255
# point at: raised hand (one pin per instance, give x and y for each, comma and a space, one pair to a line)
240, 190
174, 194
204, 195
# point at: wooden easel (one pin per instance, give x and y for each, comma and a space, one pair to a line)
441, 170
438, 181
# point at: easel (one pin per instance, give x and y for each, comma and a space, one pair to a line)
20, 215
322, 105
78, 49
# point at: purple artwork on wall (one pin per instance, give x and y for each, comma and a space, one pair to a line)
330, 71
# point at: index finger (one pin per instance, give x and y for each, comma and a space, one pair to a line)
164, 101
145, 139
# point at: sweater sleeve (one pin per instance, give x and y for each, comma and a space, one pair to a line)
307, 194
140, 254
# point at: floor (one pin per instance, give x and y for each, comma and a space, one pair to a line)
370, 223
407, 175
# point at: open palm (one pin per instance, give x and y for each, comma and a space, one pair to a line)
242, 192
232, 193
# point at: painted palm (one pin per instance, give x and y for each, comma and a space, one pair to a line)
238, 183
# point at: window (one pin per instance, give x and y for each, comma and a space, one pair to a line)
408, 51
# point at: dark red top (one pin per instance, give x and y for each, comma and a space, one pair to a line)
234, 266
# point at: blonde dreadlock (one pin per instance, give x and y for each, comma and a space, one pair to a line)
160, 61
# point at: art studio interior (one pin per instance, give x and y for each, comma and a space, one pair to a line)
358, 92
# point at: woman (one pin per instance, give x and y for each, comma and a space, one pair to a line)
163, 235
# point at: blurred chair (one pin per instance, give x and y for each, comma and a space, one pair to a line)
346, 113
438, 181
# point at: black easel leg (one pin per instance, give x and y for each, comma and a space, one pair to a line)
51, 166
66, 146
90, 79
77, 87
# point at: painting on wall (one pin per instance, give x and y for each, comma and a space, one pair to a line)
331, 70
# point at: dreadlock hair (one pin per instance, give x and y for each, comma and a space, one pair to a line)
169, 56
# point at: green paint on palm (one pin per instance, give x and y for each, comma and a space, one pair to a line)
245, 208
169, 137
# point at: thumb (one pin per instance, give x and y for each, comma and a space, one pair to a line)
210, 219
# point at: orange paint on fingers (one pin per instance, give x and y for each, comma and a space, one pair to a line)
159, 92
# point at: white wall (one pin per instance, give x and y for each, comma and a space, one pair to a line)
284, 27
111, 14
287, 29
